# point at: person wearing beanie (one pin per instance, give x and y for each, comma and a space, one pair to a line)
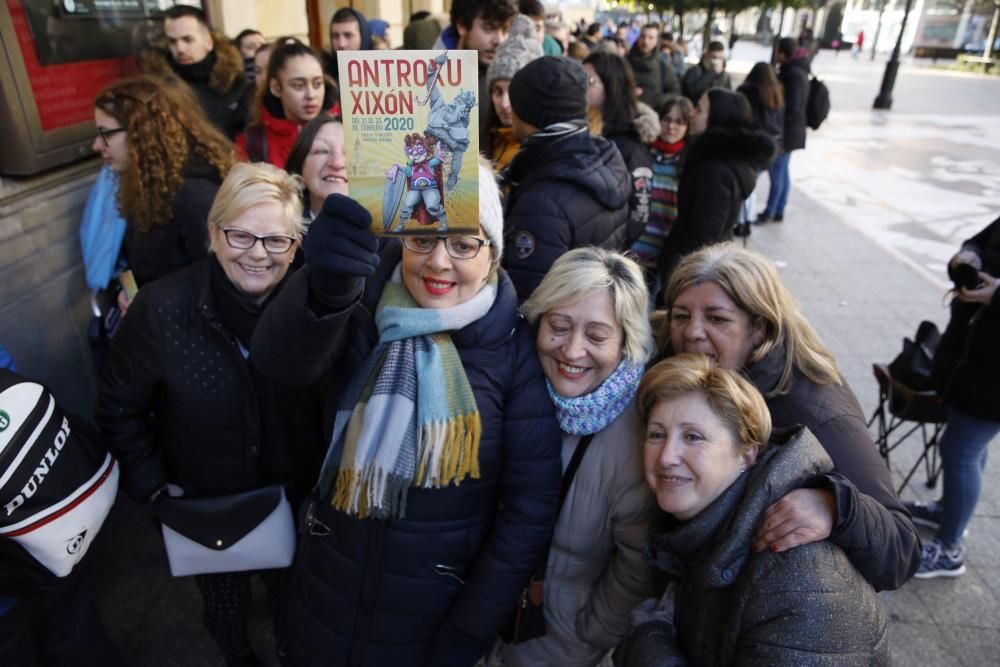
520, 48
421, 34
480, 26
421, 565
566, 188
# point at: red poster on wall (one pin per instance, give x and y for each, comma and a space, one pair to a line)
71, 50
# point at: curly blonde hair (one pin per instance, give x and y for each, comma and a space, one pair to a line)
165, 128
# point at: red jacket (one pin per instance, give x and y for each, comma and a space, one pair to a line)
270, 141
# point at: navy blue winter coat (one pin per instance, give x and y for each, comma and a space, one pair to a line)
565, 192
433, 588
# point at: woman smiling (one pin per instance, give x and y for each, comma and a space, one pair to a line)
181, 402
438, 492
593, 341
729, 304
710, 460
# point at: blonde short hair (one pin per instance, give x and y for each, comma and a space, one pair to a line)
581, 271
751, 281
249, 185
732, 398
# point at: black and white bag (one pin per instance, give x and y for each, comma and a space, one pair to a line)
56, 485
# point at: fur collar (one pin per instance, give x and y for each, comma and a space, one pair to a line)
646, 123
745, 145
227, 74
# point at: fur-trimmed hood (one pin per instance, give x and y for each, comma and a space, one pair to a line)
746, 151
226, 74
646, 123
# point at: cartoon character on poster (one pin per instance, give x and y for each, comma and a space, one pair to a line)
416, 188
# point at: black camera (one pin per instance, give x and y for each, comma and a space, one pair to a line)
964, 275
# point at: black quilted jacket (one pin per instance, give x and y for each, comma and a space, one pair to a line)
873, 528
565, 192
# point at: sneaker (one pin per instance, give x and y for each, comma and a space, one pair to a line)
924, 513
939, 561
763, 218
927, 514
779, 217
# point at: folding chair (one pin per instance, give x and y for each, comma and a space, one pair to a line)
902, 412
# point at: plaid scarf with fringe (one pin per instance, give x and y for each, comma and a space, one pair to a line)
409, 416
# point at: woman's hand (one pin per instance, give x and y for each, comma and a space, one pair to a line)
800, 517
123, 302
983, 293
966, 257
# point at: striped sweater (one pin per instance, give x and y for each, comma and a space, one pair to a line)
663, 202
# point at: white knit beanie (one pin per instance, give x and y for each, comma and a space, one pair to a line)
520, 48
490, 210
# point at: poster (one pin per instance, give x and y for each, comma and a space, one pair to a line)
411, 129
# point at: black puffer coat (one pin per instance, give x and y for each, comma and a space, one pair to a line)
720, 171
794, 77
218, 81
565, 192
183, 238
179, 403
633, 142
967, 359
804, 606
873, 528
435, 587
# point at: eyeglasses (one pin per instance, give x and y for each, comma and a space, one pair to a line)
106, 133
244, 240
457, 247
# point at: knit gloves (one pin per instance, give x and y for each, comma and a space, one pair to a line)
340, 253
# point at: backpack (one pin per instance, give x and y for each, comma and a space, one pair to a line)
817, 103
56, 484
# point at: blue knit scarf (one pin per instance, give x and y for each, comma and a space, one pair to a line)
591, 413
409, 416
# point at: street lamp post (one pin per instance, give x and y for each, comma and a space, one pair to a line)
884, 98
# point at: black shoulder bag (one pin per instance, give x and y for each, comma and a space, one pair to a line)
528, 619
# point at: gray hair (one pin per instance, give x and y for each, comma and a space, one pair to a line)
581, 271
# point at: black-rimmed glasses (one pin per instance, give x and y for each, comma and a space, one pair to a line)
243, 240
106, 133
457, 247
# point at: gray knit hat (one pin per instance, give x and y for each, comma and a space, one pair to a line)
520, 48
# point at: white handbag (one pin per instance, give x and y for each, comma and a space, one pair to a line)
247, 531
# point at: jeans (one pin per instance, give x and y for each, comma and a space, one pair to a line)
777, 197
963, 458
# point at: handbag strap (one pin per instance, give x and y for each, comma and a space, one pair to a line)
574, 463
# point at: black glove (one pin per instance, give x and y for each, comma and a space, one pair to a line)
340, 251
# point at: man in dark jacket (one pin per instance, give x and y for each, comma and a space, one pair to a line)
479, 25
206, 61
567, 188
709, 73
349, 31
793, 73
652, 73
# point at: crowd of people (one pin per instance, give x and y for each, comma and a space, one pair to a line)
476, 429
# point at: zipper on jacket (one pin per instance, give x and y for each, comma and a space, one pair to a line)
315, 527
448, 571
